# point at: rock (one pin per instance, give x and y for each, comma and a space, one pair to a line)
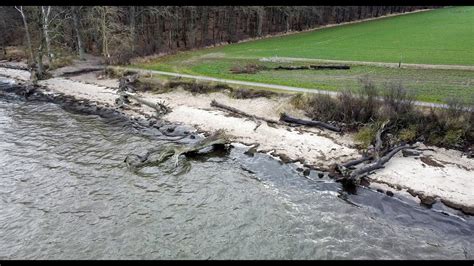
427, 200
465, 209
412, 192
380, 190
299, 169
284, 158
389, 193
320, 175
251, 152
306, 172
364, 182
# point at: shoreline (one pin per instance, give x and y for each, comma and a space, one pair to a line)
448, 179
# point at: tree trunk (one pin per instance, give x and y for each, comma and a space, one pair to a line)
40, 67
45, 15
132, 28
27, 32
260, 14
80, 47
105, 44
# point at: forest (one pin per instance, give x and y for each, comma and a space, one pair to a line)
121, 33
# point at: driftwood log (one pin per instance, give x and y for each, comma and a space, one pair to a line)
377, 159
173, 151
289, 119
80, 71
14, 67
161, 107
283, 118
214, 103
377, 164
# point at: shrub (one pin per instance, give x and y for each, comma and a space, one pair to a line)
453, 137
408, 134
300, 100
366, 135
451, 128
322, 107
251, 93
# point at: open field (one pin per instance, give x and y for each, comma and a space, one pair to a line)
442, 36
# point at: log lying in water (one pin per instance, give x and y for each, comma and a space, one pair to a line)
174, 151
294, 120
336, 67
214, 103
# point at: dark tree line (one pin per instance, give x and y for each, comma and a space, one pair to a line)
120, 33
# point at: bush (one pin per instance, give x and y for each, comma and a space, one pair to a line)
251, 93
322, 107
300, 100
451, 128
453, 137
366, 135
408, 134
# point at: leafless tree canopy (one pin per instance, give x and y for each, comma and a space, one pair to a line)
119, 33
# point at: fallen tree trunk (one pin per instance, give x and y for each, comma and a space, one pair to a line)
214, 103
322, 67
174, 151
356, 174
357, 161
294, 120
14, 67
80, 71
160, 107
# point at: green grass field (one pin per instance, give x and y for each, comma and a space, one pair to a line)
442, 36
